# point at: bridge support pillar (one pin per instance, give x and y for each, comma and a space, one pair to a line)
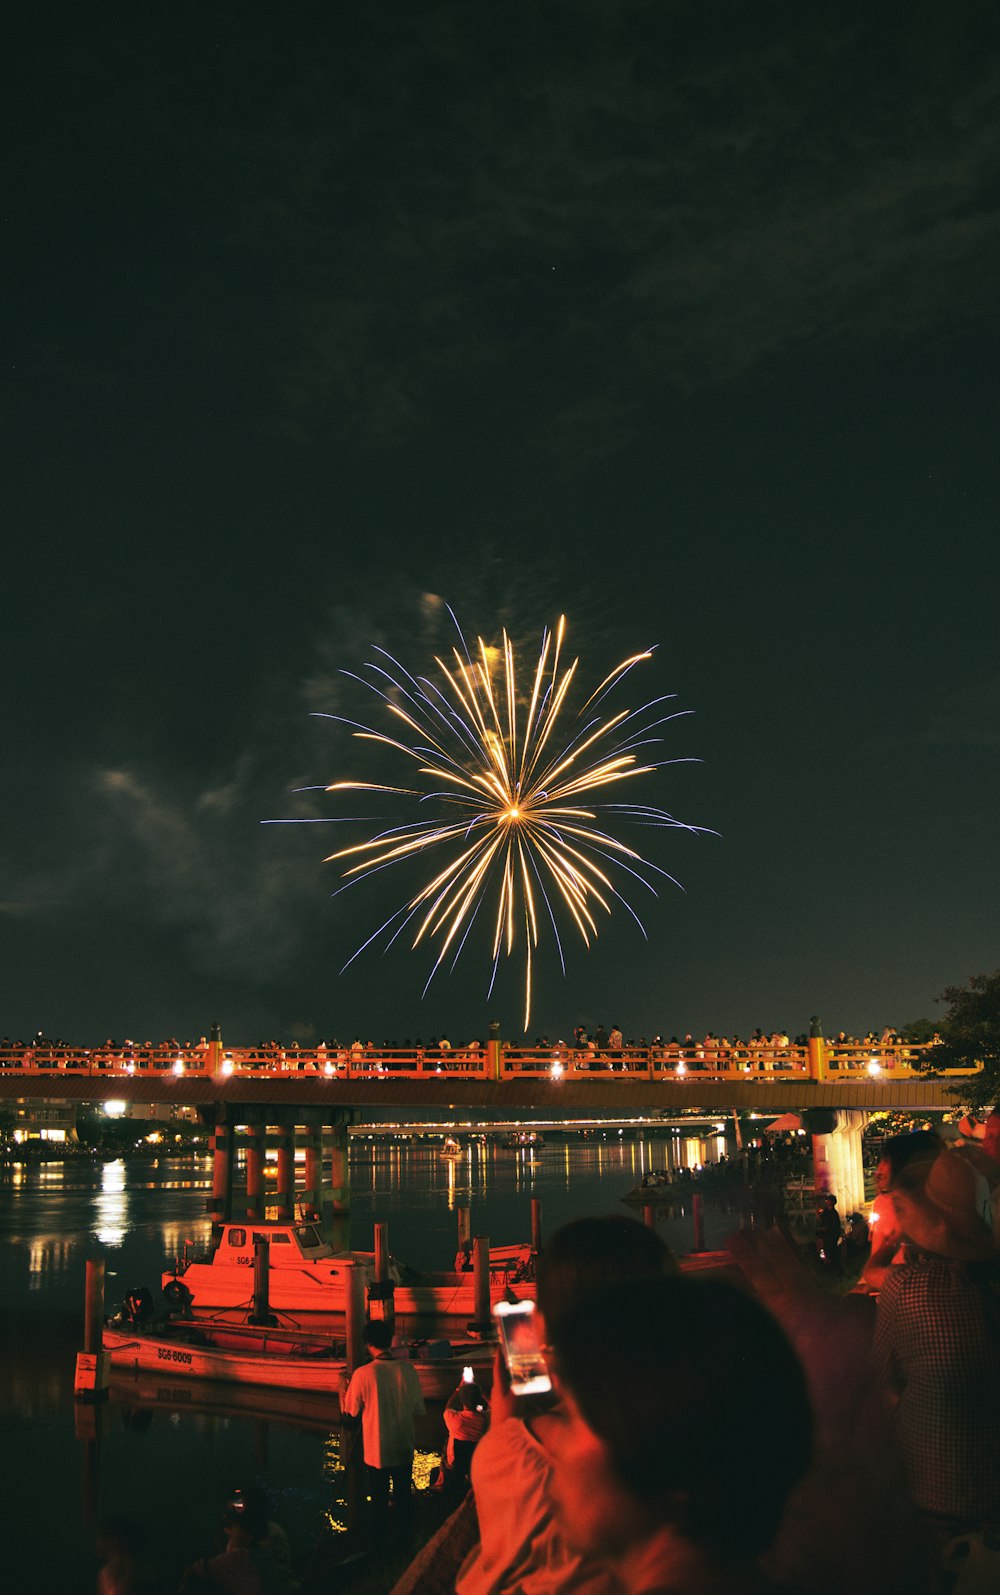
837, 1158
285, 1195
312, 1195
255, 1169
220, 1144
340, 1172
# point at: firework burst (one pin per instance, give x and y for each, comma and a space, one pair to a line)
516, 789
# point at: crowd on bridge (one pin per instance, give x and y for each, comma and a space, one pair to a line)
589, 1048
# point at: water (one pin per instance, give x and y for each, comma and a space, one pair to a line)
158, 1452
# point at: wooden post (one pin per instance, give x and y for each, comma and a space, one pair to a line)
93, 1364
351, 1454
93, 1306
464, 1226
261, 1311
381, 1253
536, 1224
649, 1216
481, 1323
354, 1318
382, 1294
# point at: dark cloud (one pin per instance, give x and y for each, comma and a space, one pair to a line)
597, 204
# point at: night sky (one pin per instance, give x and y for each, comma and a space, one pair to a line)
679, 319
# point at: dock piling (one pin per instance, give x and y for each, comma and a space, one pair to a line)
93, 1363
536, 1224
260, 1312
482, 1323
382, 1294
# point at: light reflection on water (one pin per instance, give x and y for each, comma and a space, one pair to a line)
53, 1215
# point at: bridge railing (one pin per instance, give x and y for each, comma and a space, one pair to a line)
493, 1061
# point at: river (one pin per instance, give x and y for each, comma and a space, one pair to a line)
155, 1452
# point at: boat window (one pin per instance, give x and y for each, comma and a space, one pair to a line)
308, 1235
275, 1239
237, 1237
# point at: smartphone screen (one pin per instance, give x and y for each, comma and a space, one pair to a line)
522, 1352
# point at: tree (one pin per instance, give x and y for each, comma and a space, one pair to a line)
970, 1034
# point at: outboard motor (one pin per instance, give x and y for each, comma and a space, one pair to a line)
138, 1305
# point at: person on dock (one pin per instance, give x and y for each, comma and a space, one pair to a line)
829, 1233
385, 1396
649, 1378
466, 1418
521, 1548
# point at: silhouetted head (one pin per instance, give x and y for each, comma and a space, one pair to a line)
655, 1372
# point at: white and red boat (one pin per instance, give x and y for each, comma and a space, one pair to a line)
305, 1275
275, 1358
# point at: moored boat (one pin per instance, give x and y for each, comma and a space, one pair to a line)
275, 1358
305, 1275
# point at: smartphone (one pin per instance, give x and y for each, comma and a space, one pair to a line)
517, 1323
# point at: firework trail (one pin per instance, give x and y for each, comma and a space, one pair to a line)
515, 787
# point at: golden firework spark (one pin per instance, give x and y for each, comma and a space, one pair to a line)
508, 781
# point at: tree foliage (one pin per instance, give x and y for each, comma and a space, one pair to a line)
970, 1034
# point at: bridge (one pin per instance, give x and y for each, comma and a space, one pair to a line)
494, 1075
310, 1096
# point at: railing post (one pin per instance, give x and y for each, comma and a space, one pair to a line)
816, 1050
494, 1053
213, 1052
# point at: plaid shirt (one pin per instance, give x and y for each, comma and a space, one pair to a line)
937, 1343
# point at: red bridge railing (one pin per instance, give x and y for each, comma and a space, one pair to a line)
490, 1061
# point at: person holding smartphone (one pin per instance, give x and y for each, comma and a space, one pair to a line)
521, 1547
671, 1358
466, 1418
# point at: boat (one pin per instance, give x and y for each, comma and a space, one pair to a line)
451, 1150
306, 1275
274, 1358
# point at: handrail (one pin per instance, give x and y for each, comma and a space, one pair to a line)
498, 1061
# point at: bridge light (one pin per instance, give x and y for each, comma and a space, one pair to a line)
557, 1071
328, 1069
226, 1067
681, 1068
179, 1066
874, 1067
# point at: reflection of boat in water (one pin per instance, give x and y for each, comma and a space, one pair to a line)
305, 1275
147, 1393
451, 1150
523, 1140
274, 1359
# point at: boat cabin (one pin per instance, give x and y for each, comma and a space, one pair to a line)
291, 1244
